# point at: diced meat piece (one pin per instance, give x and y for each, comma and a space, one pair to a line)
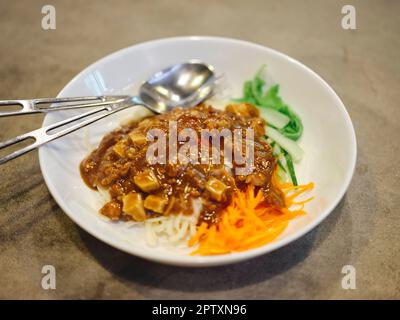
216, 188
112, 210
137, 138
147, 181
243, 109
258, 125
133, 206
257, 179
275, 197
155, 203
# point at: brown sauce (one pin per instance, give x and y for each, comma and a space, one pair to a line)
119, 165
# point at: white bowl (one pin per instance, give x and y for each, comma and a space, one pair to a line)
328, 141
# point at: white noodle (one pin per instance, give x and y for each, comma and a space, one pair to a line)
151, 238
174, 229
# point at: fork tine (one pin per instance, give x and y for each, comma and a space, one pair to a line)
72, 119
68, 99
10, 102
13, 141
35, 134
32, 106
77, 99
17, 153
42, 136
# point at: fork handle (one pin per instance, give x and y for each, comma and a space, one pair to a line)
33, 105
42, 135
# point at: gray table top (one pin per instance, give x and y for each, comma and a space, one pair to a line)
362, 65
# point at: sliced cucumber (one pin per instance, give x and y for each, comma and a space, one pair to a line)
274, 118
287, 144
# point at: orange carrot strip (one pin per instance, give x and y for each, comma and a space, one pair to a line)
249, 222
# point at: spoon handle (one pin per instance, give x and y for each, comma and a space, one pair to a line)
44, 135
54, 104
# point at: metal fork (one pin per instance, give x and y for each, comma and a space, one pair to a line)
36, 105
107, 105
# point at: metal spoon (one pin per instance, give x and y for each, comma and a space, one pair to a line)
184, 85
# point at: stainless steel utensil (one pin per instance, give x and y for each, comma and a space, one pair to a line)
39, 105
183, 85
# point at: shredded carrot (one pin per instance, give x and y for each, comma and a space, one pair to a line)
248, 222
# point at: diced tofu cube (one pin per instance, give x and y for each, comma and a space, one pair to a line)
155, 203
119, 149
147, 181
133, 206
137, 138
216, 188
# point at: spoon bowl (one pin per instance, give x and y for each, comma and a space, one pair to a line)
184, 85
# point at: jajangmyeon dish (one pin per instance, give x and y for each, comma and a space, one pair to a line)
219, 181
